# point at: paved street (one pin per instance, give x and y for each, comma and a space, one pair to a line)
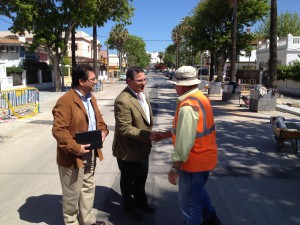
252, 185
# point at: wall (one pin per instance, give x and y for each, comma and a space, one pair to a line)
289, 87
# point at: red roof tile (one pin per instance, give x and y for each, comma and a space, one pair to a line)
5, 41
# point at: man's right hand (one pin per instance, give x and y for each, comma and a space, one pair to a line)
160, 135
83, 150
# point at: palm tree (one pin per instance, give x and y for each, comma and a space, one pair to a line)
180, 33
176, 37
160, 56
273, 45
117, 39
95, 50
234, 4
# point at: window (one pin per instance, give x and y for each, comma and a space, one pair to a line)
3, 49
248, 54
13, 49
70, 47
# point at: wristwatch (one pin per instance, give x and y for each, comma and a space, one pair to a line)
174, 170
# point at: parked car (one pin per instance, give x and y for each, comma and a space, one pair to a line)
122, 77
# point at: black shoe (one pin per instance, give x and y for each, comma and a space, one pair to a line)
146, 207
214, 220
133, 214
99, 223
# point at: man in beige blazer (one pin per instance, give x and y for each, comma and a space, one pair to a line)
132, 144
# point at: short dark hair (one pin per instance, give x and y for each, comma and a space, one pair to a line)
132, 71
81, 72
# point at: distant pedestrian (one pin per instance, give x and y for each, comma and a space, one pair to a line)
132, 144
77, 111
195, 149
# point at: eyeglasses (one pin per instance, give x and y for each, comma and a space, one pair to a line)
140, 81
92, 80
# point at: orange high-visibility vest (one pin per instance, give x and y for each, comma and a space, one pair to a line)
203, 155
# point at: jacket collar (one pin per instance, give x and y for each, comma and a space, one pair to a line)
135, 102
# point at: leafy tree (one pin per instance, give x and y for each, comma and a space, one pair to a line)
160, 56
51, 22
177, 38
179, 34
105, 11
117, 39
135, 49
287, 23
170, 56
212, 28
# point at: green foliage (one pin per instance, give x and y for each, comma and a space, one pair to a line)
289, 72
14, 70
169, 57
66, 60
212, 24
51, 21
287, 23
34, 65
117, 37
135, 49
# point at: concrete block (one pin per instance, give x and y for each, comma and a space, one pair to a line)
214, 88
231, 96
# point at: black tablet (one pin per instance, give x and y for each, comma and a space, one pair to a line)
92, 137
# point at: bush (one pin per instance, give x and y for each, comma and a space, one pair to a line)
14, 70
289, 72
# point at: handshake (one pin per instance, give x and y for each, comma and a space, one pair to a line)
160, 135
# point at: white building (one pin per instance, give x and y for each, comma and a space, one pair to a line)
14, 52
288, 51
154, 59
113, 64
245, 60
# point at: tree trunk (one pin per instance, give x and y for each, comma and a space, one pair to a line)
95, 50
212, 63
56, 71
220, 66
233, 42
73, 48
273, 45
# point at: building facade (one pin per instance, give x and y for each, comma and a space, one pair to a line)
288, 51
14, 52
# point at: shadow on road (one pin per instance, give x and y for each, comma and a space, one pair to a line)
42, 209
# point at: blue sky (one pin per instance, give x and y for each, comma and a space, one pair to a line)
155, 19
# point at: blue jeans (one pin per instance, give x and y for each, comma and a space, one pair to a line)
193, 198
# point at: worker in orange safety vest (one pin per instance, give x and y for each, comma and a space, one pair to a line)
195, 149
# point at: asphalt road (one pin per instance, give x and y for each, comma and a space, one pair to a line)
253, 183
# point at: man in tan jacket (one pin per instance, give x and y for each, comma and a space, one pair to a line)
132, 144
77, 111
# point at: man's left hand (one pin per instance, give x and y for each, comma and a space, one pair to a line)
173, 177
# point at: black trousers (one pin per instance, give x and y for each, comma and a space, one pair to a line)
132, 183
